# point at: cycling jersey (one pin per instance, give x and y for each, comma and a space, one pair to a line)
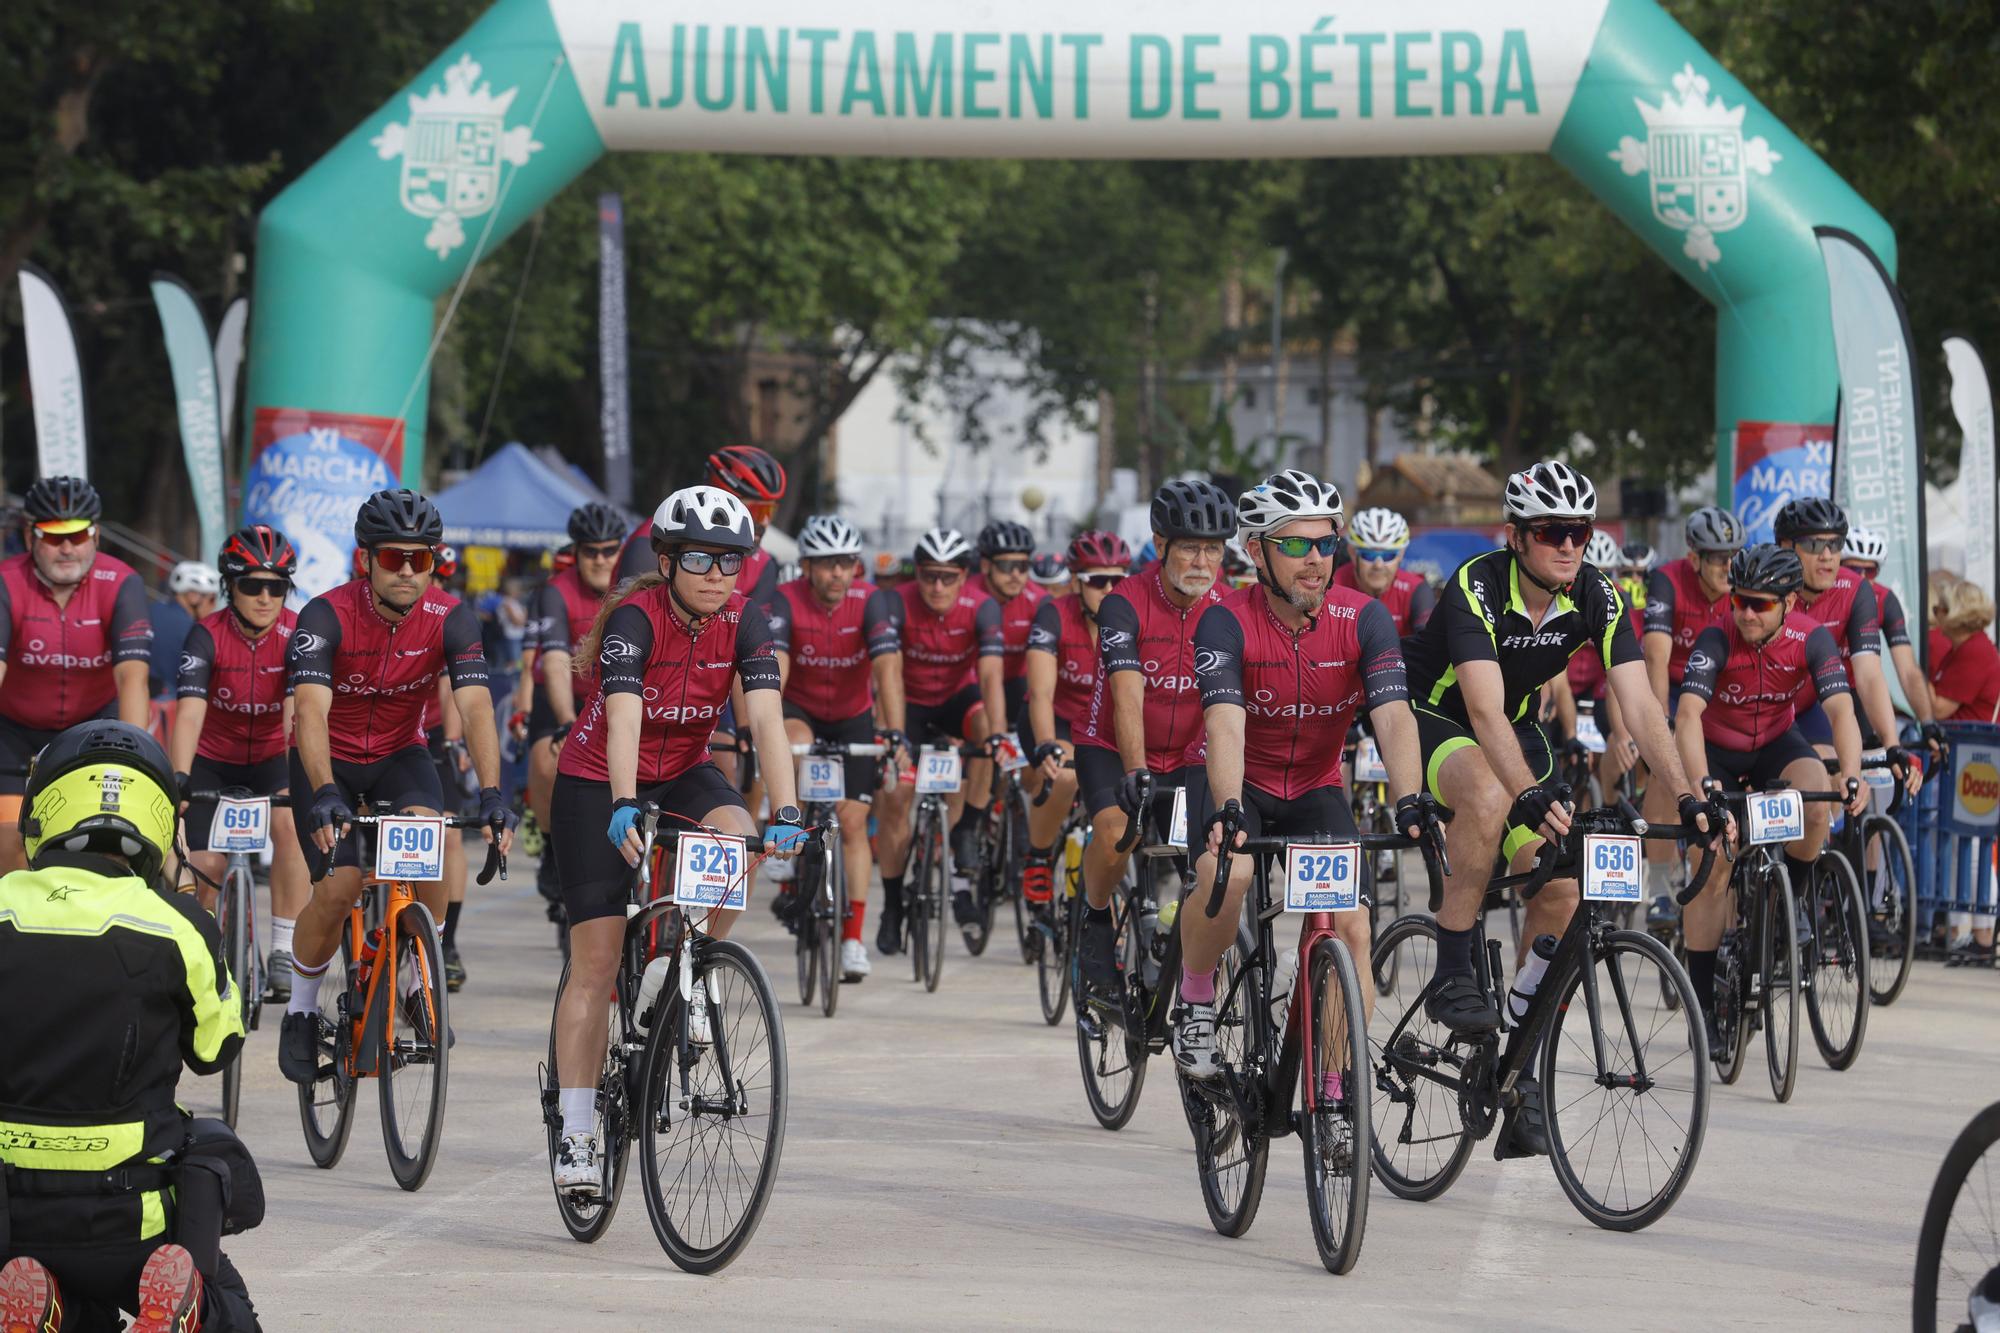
1298, 689
681, 677
59, 658
1139, 629
1482, 618
1065, 633
1409, 597
758, 581
245, 683
831, 678
1586, 670
1754, 693
1017, 618
564, 611
380, 673
1895, 625
1679, 607
941, 652
1848, 609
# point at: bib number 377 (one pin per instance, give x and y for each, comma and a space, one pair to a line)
1611, 868
710, 870
1323, 878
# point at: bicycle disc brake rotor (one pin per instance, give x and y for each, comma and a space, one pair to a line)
1478, 1099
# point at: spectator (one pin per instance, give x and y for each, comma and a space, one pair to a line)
1965, 678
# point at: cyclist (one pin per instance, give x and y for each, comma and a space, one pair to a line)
233, 717
669, 647
953, 686
1377, 541
1862, 555
1004, 556
1050, 571
192, 592
1585, 678
1737, 725
1145, 707
839, 642
1635, 564
1236, 566
1282, 668
76, 639
362, 658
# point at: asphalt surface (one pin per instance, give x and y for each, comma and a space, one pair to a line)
940, 1166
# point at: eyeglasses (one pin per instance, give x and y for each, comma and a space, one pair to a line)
1864, 569
1100, 581
700, 562
77, 538
1008, 566
1200, 550
1819, 545
1376, 554
263, 587
1297, 548
599, 551
1555, 534
396, 558
940, 577
1716, 557
1744, 601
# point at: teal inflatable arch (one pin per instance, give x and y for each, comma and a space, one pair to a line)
353, 258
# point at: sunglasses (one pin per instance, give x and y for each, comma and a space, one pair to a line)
1555, 534
1376, 554
1100, 581
77, 538
1744, 601
1008, 566
395, 558
263, 587
604, 551
1819, 545
761, 511
1297, 548
700, 562
1865, 570
940, 576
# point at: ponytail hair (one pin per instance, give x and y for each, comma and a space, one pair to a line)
586, 652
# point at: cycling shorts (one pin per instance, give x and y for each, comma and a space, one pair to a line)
1440, 737
596, 882
925, 723
1748, 769
1321, 810
270, 778
1029, 739
19, 744
1099, 772
541, 718
451, 783
863, 772
407, 779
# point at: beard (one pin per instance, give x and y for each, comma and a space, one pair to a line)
1308, 601
1194, 583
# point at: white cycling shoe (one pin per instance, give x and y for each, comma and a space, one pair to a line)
1194, 1042
854, 964
577, 1169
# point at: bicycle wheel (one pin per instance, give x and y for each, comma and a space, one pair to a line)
1053, 940
1893, 900
1779, 974
1229, 1159
1837, 999
989, 881
713, 1124
916, 899
1419, 1143
1017, 843
239, 942
416, 1050
326, 1105
936, 915
1958, 1250
588, 1218
1334, 1134
831, 905
1624, 1142
1112, 1057
1676, 943
1734, 959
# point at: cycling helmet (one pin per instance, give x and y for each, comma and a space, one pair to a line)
1094, 548
1865, 546
257, 549
62, 499
703, 515
1770, 569
1602, 551
944, 546
1193, 508
1637, 555
1049, 569
194, 576
828, 535
1550, 490
1712, 528
746, 471
398, 516
1802, 518
447, 562
1284, 496
1379, 529
564, 558
105, 784
596, 523
1235, 559
1003, 537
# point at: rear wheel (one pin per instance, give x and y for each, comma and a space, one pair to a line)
326, 1105
1893, 907
1837, 953
1779, 974
413, 1028
1334, 1133
1419, 1141
587, 1217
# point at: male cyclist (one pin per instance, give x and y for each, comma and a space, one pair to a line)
1005, 551
1050, 571
76, 639
1376, 541
840, 655
1584, 680
1862, 556
192, 592
1634, 564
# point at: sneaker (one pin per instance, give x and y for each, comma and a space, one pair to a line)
29, 1300
169, 1293
889, 930
454, 969
1194, 1042
1531, 1135
785, 906
1099, 956
699, 1031
298, 1048
964, 911
278, 976
853, 961
1662, 911
576, 1168
965, 845
1459, 1004
1038, 881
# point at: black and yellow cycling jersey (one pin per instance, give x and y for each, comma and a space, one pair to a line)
109, 987
1481, 617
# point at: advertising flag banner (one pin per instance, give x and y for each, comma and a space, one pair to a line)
1972, 404
199, 401
62, 432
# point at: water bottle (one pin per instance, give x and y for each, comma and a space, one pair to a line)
651, 982
1284, 973
1529, 980
1072, 863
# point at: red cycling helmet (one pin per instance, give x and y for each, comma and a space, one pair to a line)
258, 548
564, 558
746, 472
447, 561
1096, 548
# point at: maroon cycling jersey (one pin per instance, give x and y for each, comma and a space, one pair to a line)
1064, 632
245, 683
941, 652
59, 658
1139, 629
565, 609
382, 673
831, 675
758, 581
1848, 610
1754, 694
1409, 598
682, 676
1895, 624
1298, 689
1678, 606
1017, 618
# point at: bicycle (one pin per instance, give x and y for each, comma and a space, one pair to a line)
1382, 875
1048, 923
1003, 838
1438, 1092
697, 1110
927, 886
820, 888
1958, 1249
390, 971
1890, 903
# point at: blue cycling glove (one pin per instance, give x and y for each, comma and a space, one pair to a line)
624, 814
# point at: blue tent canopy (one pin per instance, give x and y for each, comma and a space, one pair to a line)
1436, 553
513, 499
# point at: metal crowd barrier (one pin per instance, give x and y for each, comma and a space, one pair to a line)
1952, 830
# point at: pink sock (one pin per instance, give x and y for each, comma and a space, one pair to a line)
1198, 989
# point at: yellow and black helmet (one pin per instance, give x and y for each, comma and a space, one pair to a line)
104, 785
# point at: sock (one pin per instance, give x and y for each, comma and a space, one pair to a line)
1454, 953
281, 934
892, 889
1197, 989
1701, 971
305, 988
1098, 916
1801, 873
579, 1110
969, 816
850, 929
450, 933
1659, 881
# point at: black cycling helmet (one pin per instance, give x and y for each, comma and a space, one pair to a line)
1769, 569
257, 548
103, 784
397, 516
1802, 518
1004, 537
596, 523
54, 499
1194, 508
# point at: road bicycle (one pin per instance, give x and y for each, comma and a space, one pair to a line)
1877, 852
927, 883
1003, 847
1048, 937
819, 891
1958, 1250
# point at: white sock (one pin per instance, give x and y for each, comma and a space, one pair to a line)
1659, 882
305, 988
579, 1110
281, 934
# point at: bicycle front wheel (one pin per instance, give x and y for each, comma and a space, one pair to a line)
830, 906
1053, 929
413, 1027
326, 1105
588, 1217
1419, 1141
1779, 974
1229, 1157
1958, 1250
1112, 1058
1333, 1126
239, 941
713, 1123
1894, 901
936, 894
1837, 953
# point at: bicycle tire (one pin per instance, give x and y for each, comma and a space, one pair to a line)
1407, 1110
1900, 912
1837, 1001
1112, 1059
239, 941
1335, 1139
916, 906
806, 924
1016, 864
587, 1221
739, 993
326, 1105
1677, 946
414, 1073
987, 882
1680, 1067
1780, 945
1230, 1191
832, 923
1054, 943
937, 908
1954, 1175
1732, 975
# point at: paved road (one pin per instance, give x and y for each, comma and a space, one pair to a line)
941, 1166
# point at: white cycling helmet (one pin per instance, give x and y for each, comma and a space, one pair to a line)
1284, 496
827, 535
944, 546
1602, 551
194, 576
1864, 545
703, 515
1637, 555
1550, 490
1380, 530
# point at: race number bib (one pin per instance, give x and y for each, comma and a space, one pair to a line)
937, 772
1587, 733
1775, 816
1323, 878
709, 872
822, 777
1007, 752
409, 847
240, 825
1611, 868
1177, 821
1368, 765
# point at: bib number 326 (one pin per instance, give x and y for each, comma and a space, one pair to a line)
1323, 878
1611, 868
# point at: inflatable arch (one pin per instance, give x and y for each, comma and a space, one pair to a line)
352, 258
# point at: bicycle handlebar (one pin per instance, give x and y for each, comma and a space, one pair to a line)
1048, 788
1370, 842
1621, 819
496, 862
872, 750
240, 794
